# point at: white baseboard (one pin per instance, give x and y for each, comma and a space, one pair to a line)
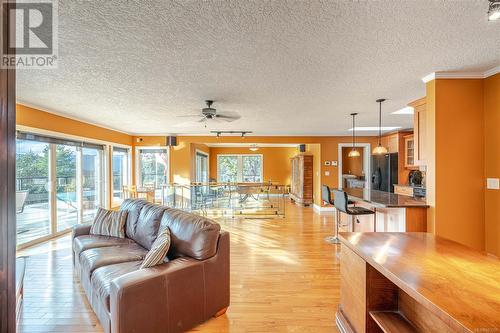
320, 209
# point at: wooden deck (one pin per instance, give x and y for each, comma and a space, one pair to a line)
284, 278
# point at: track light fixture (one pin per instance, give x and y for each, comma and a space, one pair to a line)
242, 133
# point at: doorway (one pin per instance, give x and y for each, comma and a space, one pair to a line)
354, 171
201, 167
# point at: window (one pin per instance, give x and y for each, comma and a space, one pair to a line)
58, 185
153, 168
239, 168
120, 165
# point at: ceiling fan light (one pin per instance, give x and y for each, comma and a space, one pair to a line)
379, 150
494, 10
354, 153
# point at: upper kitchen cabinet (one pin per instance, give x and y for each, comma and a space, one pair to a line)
419, 131
390, 142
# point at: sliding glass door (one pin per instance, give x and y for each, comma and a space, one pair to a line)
66, 191
32, 191
58, 185
92, 195
121, 173
201, 167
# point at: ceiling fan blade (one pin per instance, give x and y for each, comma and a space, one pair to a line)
202, 120
190, 116
227, 118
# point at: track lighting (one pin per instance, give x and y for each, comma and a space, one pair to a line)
242, 133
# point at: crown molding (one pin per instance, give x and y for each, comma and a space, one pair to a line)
461, 75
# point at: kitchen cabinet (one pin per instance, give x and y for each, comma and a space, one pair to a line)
419, 131
301, 191
409, 151
390, 142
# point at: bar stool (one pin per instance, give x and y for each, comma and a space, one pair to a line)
326, 196
341, 201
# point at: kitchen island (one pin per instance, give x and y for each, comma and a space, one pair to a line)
416, 282
393, 212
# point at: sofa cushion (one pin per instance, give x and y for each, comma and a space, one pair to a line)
92, 259
159, 249
102, 277
133, 207
109, 223
191, 235
148, 224
85, 242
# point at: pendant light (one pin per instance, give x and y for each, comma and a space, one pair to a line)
353, 152
379, 150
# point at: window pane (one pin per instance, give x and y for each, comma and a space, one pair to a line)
120, 173
66, 196
228, 168
252, 169
32, 196
91, 180
154, 168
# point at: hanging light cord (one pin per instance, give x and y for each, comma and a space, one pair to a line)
353, 132
380, 123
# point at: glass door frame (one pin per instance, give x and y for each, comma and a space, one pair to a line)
52, 181
207, 156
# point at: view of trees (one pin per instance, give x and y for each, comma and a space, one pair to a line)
32, 169
244, 168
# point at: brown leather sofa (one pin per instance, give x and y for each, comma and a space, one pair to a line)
189, 288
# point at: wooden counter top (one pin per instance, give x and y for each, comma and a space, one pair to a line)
459, 285
384, 199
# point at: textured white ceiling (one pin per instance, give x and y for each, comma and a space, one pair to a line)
287, 67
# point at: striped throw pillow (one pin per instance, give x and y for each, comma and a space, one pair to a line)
109, 223
159, 249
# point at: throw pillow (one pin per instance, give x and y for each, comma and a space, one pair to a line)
159, 249
109, 223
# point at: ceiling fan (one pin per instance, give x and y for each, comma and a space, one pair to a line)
210, 114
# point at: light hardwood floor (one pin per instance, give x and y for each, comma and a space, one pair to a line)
284, 278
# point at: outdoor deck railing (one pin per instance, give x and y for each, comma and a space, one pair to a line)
227, 199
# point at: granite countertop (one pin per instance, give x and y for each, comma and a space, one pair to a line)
384, 199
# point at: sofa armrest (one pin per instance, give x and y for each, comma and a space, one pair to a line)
80, 230
165, 298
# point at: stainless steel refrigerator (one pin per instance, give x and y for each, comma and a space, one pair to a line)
384, 172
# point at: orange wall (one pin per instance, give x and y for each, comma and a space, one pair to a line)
35, 118
352, 165
277, 166
492, 161
457, 170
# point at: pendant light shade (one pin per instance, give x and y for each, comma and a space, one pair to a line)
353, 152
379, 150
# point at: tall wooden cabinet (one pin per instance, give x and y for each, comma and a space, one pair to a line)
301, 190
419, 131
